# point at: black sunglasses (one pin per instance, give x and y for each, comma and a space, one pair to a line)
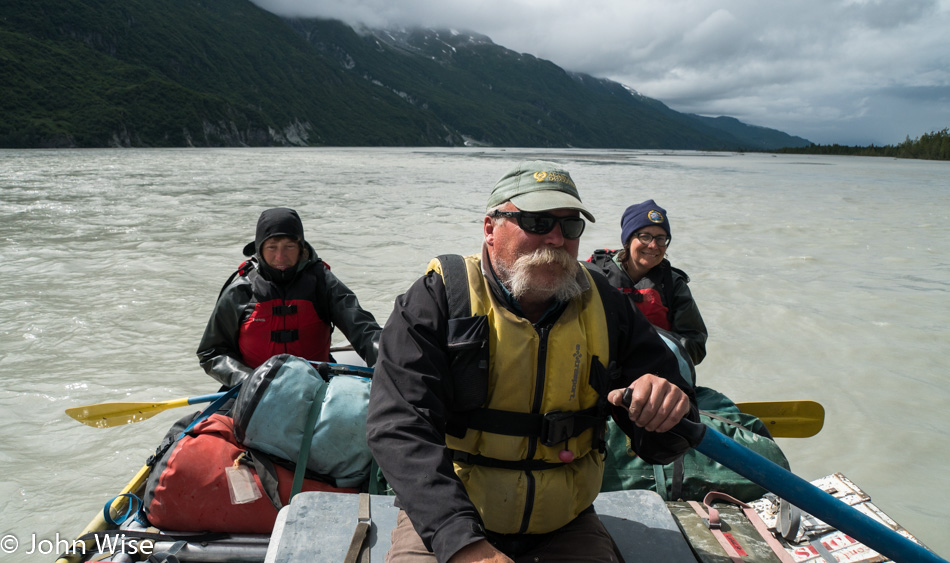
543, 223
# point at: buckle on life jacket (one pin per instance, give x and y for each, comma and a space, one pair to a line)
284, 336
556, 427
284, 310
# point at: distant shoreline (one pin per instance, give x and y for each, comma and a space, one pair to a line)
929, 146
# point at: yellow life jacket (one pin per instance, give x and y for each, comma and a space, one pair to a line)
530, 449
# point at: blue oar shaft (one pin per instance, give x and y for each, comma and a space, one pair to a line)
812, 500
204, 398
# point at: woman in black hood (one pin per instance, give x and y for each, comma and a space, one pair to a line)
279, 244
282, 300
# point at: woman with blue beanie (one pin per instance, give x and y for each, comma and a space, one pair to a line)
642, 271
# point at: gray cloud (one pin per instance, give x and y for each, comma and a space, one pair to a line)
832, 71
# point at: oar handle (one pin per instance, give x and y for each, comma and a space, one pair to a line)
691, 431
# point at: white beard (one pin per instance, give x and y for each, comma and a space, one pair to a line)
521, 279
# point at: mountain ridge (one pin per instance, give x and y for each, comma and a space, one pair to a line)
95, 73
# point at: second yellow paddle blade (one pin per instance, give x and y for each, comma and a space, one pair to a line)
107, 415
788, 419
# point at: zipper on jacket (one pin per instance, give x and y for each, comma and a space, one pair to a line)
535, 408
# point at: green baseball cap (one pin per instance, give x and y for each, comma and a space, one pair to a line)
538, 185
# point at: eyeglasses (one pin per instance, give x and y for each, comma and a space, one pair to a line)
647, 238
543, 223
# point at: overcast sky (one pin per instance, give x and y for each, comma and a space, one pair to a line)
851, 72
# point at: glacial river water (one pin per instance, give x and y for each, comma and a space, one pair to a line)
820, 278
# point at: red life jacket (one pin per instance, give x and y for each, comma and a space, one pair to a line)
652, 294
285, 319
188, 490
651, 305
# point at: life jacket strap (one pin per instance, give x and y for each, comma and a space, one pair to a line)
455, 276
284, 310
516, 465
551, 428
284, 336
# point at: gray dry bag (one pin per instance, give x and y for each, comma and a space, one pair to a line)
276, 402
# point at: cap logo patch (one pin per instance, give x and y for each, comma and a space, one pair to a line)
655, 216
554, 177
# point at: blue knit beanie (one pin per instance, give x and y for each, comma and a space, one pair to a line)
641, 215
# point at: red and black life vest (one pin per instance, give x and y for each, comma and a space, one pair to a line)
653, 294
290, 318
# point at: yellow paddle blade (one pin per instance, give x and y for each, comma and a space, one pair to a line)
788, 419
107, 415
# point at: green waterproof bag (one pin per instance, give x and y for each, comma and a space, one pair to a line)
694, 475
